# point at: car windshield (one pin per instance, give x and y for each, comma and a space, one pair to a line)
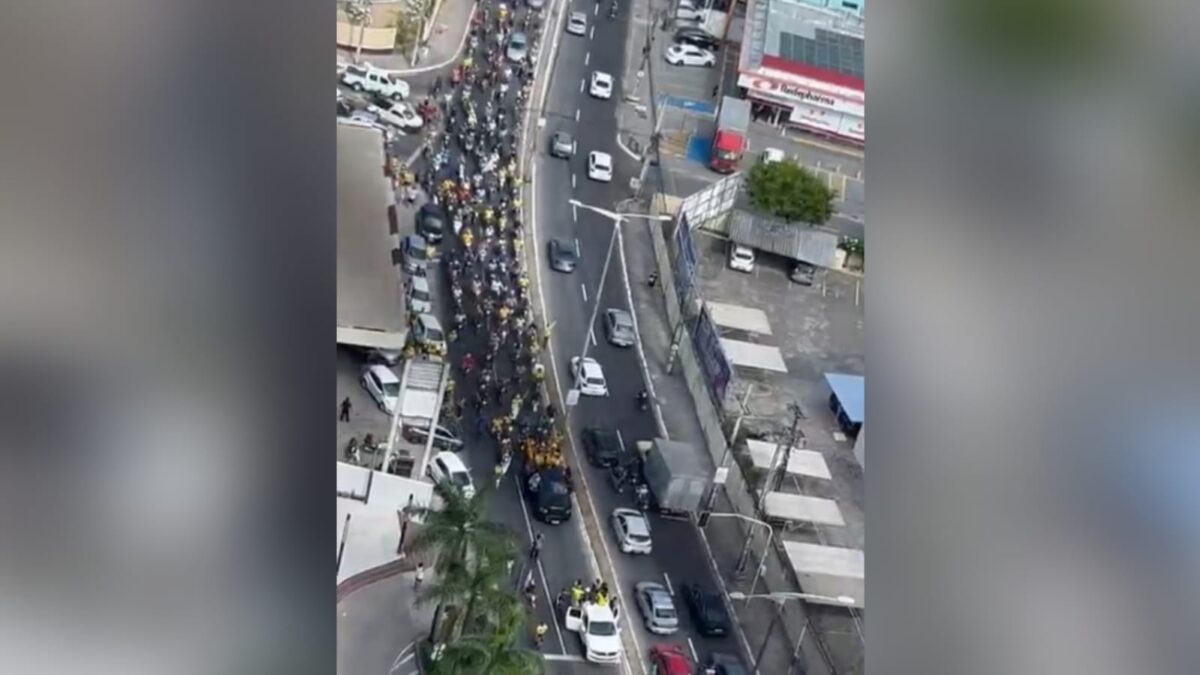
602, 628
460, 479
432, 333
418, 294
417, 251
597, 381
518, 41
636, 536
565, 252
664, 612
391, 388
557, 490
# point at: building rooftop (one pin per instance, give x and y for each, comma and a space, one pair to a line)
370, 301
804, 39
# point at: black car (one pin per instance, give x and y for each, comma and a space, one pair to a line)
549, 495
431, 223
603, 447
803, 273
562, 256
698, 37
726, 664
708, 610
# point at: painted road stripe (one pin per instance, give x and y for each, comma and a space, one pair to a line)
583, 288
587, 58
670, 588
571, 658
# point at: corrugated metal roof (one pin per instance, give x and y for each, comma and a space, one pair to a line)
791, 240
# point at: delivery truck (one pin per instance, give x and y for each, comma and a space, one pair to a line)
679, 475
730, 142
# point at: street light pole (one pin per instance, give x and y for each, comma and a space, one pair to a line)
618, 219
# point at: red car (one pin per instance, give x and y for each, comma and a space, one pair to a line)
670, 660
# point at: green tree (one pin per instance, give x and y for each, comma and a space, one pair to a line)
460, 529
474, 587
789, 191
496, 651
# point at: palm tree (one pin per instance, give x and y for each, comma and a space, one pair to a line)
475, 587
495, 652
461, 529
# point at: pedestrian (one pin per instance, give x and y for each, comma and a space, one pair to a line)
344, 412
405, 518
653, 279
420, 577
715, 90
539, 634
535, 549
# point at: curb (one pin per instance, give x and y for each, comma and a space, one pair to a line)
366, 578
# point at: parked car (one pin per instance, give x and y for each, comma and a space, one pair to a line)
562, 256
685, 14
689, 55
618, 328
562, 145
656, 607
400, 115
577, 23
448, 467
803, 273
600, 167
431, 223
383, 386
414, 251
518, 47
372, 79
427, 331
589, 377
707, 609
698, 37
535, 4
443, 438
418, 297
632, 531
603, 447
772, 155
741, 258
602, 85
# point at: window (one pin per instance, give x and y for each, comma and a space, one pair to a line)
391, 389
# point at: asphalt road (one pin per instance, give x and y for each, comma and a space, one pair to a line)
679, 554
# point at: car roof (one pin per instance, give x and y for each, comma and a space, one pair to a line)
579, 16
451, 460
590, 367
601, 75
415, 240
621, 316
384, 373
677, 663
420, 284
429, 320
634, 520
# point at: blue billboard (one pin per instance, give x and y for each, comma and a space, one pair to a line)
711, 355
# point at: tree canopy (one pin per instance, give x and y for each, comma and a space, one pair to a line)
789, 191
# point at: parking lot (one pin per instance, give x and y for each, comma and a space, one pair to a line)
818, 329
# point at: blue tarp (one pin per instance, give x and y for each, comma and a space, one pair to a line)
699, 149
851, 393
691, 105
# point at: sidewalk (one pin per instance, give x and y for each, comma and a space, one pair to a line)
378, 624
445, 40
724, 536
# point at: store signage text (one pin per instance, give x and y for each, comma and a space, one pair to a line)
799, 93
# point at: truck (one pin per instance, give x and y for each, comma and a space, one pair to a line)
677, 475
374, 80
597, 628
730, 142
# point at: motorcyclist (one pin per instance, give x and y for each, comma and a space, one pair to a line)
643, 399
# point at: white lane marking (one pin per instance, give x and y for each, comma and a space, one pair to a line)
670, 588
562, 644
584, 289
573, 187
581, 85
692, 646
587, 58
401, 659
577, 114
596, 11
621, 442
592, 33
592, 335
570, 658
574, 213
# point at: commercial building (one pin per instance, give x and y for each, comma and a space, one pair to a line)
370, 298
801, 63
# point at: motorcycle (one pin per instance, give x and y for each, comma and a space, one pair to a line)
641, 495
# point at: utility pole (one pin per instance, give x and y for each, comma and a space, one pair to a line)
767, 638
779, 461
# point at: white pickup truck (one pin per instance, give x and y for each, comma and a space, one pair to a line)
597, 628
369, 78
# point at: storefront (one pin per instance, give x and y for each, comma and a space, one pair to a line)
783, 98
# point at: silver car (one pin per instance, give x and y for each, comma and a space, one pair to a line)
415, 251
632, 531
618, 328
657, 608
518, 47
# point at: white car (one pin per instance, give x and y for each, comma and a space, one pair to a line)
401, 115
447, 466
686, 14
772, 155
590, 378
427, 331
602, 85
690, 55
370, 78
741, 258
632, 531
383, 386
577, 23
419, 299
600, 166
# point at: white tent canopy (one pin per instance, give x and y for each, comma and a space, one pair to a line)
750, 355
739, 318
828, 570
799, 462
802, 508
